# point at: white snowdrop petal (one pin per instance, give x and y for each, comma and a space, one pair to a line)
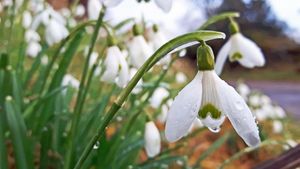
138, 87
27, 19
158, 96
94, 7
111, 64
211, 123
70, 80
184, 109
165, 5
238, 113
152, 139
139, 51
111, 3
251, 54
124, 76
33, 49
222, 56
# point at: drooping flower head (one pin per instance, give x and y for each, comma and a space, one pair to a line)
241, 49
210, 99
152, 139
116, 67
139, 49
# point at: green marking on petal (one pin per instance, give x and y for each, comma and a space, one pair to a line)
236, 56
209, 109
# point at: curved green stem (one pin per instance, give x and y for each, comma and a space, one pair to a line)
161, 52
218, 18
82, 92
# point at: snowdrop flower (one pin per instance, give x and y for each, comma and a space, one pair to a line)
94, 7
33, 49
165, 5
180, 77
45, 16
139, 49
162, 117
264, 99
80, 10
70, 80
158, 96
157, 39
116, 67
44, 60
241, 49
32, 35
277, 126
279, 112
55, 32
243, 90
152, 139
254, 100
26, 20
211, 99
139, 86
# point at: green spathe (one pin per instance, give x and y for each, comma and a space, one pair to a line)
209, 109
205, 58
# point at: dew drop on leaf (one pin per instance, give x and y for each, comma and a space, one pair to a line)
96, 145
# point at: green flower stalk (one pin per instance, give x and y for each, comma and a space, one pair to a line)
160, 53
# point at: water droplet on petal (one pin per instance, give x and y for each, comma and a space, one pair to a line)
239, 105
96, 145
215, 129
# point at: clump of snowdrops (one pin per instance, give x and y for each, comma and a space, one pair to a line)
76, 92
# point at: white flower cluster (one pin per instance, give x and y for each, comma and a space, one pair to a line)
263, 107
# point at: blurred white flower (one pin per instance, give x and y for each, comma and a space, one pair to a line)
32, 35
264, 99
33, 49
279, 112
243, 90
139, 51
241, 49
111, 3
71, 81
44, 60
45, 16
162, 117
138, 88
158, 97
254, 100
80, 10
33, 46
213, 98
55, 32
116, 67
94, 7
165, 5
180, 77
157, 39
26, 20
277, 126
152, 139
